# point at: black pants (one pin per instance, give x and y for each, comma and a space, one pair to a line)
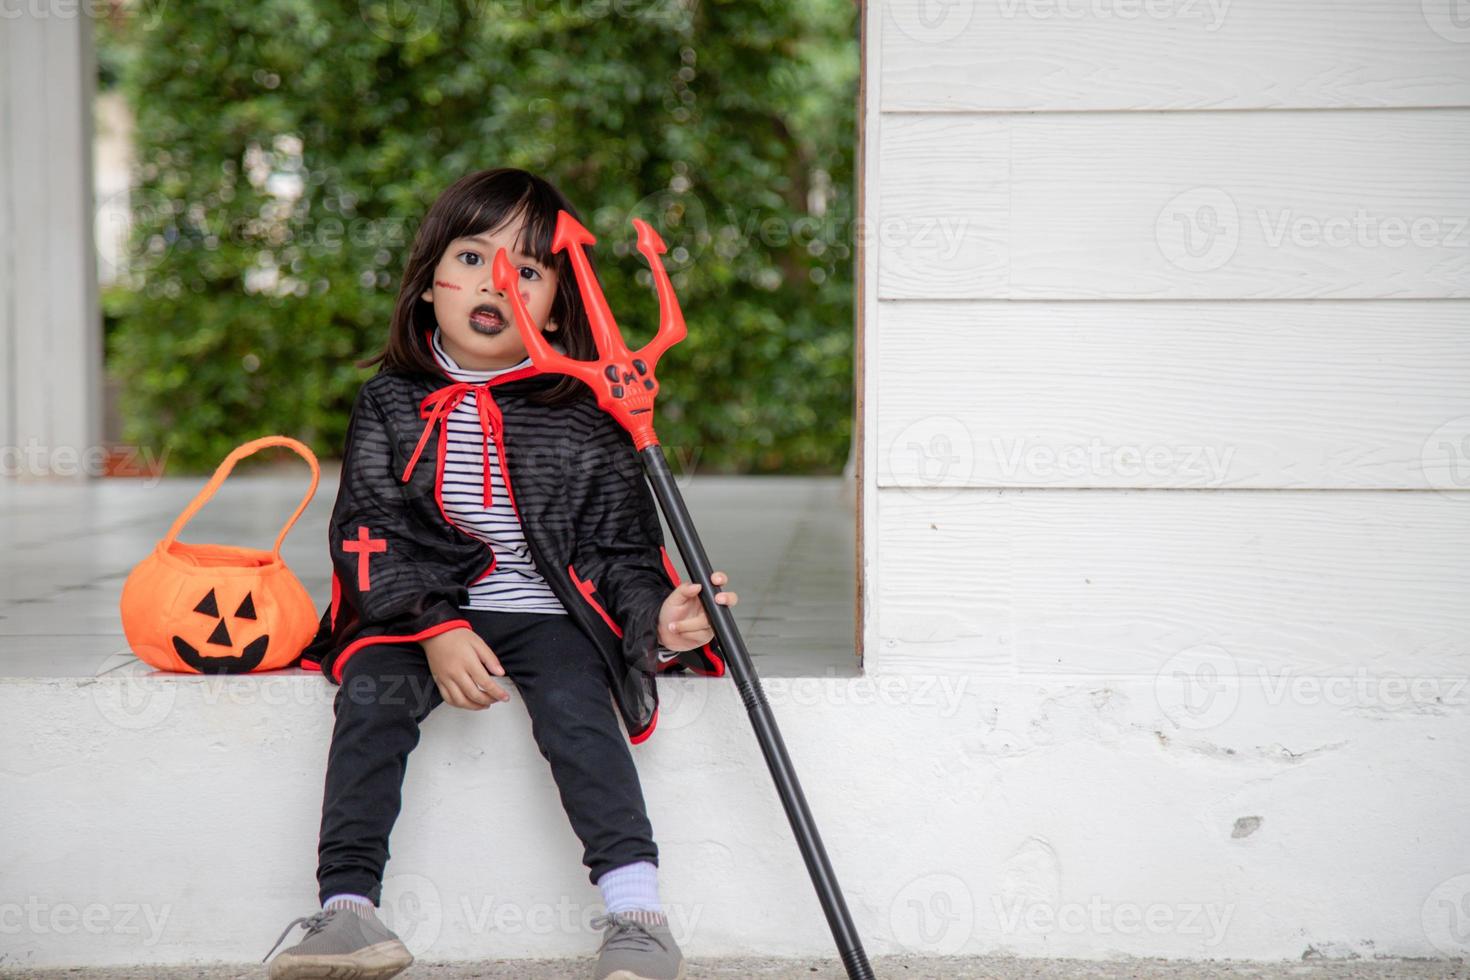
387, 692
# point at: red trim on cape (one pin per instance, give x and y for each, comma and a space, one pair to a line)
643, 735
368, 641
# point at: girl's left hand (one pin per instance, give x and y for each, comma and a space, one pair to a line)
682, 623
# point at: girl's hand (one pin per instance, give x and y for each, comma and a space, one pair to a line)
682, 623
461, 664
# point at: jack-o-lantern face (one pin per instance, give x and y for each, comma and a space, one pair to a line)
219, 637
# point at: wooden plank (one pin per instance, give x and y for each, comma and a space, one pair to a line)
946, 600
72, 368
942, 222
1117, 583
55, 348
1332, 394
1255, 205
865, 268
31, 268
9, 89
1039, 55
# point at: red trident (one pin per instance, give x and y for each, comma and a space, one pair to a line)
623, 380
625, 387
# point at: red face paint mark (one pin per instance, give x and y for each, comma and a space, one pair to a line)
364, 547
446, 285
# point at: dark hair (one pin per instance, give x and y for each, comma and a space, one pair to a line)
479, 202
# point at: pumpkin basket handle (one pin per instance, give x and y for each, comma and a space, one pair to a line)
223, 471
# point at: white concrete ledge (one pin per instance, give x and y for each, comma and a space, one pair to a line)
173, 820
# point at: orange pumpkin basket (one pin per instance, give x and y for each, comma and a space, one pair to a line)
220, 609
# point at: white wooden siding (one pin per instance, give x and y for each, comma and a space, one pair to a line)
1115, 583
1256, 394
1196, 205
1068, 55
1273, 301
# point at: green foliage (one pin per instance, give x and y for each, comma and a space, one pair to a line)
729, 126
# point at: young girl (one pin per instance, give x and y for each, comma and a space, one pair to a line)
493, 521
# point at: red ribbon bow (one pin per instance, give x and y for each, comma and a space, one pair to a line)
437, 406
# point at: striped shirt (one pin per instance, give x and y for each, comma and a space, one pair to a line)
515, 585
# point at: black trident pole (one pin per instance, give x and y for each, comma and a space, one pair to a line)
754, 697
625, 386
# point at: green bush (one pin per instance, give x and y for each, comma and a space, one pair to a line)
728, 126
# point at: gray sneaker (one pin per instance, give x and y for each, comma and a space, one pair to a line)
340, 944
637, 946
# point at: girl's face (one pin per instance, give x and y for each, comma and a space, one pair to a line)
475, 318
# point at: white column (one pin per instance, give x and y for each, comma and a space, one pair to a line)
50, 322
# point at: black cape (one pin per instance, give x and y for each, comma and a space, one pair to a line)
401, 568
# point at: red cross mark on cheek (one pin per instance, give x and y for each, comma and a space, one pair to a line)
364, 547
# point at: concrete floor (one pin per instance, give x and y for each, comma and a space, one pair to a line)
910, 968
786, 542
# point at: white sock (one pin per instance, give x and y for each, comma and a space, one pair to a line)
632, 886
360, 904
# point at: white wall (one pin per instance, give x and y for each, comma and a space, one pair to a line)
1167, 410
50, 325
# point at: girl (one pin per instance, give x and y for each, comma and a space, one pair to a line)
493, 521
